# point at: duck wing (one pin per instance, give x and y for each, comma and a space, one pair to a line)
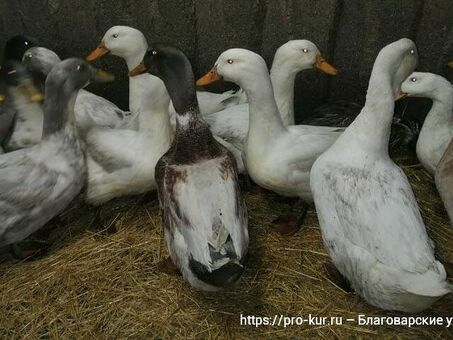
375, 209
230, 124
30, 195
94, 111
113, 149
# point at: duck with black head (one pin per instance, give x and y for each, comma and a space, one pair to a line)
203, 211
369, 218
16, 46
38, 183
23, 106
13, 50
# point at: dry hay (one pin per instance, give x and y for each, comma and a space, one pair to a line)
105, 284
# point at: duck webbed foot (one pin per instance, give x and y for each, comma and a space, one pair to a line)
167, 266
290, 224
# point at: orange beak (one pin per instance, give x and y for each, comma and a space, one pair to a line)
400, 95
137, 70
209, 78
324, 66
100, 51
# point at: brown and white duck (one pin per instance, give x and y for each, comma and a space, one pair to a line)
203, 211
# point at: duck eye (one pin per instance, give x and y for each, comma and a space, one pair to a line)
115, 35
230, 61
412, 51
305, 50
413, 79
154, 52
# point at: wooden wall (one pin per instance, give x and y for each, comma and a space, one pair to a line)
348, 32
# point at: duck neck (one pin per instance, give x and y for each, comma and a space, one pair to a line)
137, 84
153, 109
264, 118
59, 112
372, 126
135, 57
283, 81
440, 116
193, 138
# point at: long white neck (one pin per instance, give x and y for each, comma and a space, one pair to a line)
436, 132
440, 114
370, 131
135, 56
264, 118
153, 112
283, 79
137, 84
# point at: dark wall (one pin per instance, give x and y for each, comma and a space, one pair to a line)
348, 32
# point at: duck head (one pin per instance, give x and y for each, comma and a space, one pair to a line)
121, 41
426, 85
16, 46
173, 67
299, 55
18, 79
62, 85
237, 65
40, 59
74, 73
398, 60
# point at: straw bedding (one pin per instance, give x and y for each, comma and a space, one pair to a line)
98, 278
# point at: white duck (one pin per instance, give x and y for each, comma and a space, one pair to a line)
370, 221
291, 58
437, 129
277, 157
131, 45
122, 162
90, 110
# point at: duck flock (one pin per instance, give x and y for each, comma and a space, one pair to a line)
59, 141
